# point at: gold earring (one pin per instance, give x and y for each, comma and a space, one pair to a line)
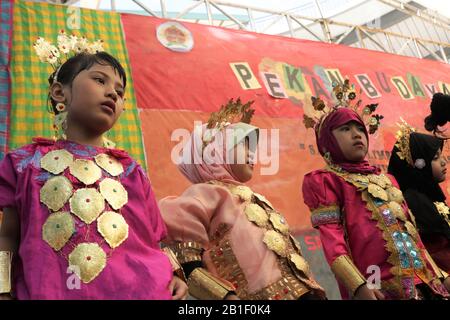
60, 124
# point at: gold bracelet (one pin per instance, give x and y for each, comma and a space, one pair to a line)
187, 251
176, 266
347, 273
205, 286
5, 271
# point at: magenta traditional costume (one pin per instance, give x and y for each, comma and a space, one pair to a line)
364, 222
231, 237
90, 225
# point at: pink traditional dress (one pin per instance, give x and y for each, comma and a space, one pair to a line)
364, 223
90, 225
234, 233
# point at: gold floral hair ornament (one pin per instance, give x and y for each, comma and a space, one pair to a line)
402, 144
345, 96
232, 112
66, 47
229, 112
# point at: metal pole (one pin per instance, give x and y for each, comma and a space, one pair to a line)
324, 23
208, 11
291, 30
250, 18
163, 8
444, 56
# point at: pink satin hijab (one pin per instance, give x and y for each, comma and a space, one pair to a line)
201, 164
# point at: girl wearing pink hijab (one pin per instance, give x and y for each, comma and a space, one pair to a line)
369, 241
231, 241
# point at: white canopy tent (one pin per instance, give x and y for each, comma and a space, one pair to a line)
400, 27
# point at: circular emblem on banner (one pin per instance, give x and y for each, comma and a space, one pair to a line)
175, 36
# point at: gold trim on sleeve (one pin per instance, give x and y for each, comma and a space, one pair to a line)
5, 271
347, 273
205, 286
187, 251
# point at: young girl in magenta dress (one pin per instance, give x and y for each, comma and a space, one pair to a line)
367, 235
80, 217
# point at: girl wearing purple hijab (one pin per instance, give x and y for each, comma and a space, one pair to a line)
365, 227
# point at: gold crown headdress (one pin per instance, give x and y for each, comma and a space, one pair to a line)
403, 136
229, 112
66, 47
345, 95
232, 112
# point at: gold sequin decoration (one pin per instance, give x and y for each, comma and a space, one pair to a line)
86, 171
412, 230
256, 214
87, 260
443, 210
300, 263
263, 199
57, 229
381, 180
377, 192
359, 178
113, 191
295, 243
56, 161
109, 164
397, 210
243, 192
275, 242
87, 204
55, 192
395, 194
279, 222
113, 227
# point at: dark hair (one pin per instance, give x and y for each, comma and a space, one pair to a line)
84, 61
440, 112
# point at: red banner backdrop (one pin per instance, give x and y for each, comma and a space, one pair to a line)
184, 71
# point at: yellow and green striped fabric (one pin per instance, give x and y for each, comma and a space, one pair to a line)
29, 85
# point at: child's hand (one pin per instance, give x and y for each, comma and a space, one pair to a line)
364, 293
178, 288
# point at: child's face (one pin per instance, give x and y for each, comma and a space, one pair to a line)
96, 99
243, 162
352, 141
438, 167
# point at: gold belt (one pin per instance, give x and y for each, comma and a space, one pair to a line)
289, 287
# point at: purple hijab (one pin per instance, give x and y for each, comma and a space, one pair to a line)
326, 142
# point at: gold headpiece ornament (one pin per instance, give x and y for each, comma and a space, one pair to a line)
55, 55
229, 112
66, 47
402, 144
345, 95
232, 112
